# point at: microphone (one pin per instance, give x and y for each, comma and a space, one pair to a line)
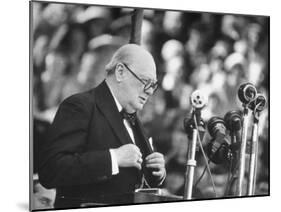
218, 149
256, 106
258, 103
233, 123
189, 125
233, 120
198, 100
247, 93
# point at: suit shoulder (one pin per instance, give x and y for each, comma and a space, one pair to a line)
86, 98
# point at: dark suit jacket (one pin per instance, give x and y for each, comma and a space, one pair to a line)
76, 160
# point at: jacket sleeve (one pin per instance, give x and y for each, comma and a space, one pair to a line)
65, 161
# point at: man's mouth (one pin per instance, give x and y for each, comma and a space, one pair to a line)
143, 99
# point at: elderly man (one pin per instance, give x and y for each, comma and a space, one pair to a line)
97, 148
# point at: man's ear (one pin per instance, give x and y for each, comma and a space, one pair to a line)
119, 72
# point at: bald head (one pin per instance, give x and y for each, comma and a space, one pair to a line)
136, 57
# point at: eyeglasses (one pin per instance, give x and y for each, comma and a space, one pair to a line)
148, 84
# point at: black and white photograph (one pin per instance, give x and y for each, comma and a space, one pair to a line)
137, 105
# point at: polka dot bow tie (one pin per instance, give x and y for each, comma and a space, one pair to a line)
130, 117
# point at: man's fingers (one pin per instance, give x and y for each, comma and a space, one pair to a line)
154, 155
129, 155
158, 173
155, 165
137, 150
139, 154
155, 160
138, 165
139, 160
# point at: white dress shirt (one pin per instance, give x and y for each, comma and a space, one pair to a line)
114, 163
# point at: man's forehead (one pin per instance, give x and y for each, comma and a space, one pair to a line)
146, 72
139, 60
145, 68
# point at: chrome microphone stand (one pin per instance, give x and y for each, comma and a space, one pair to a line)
246, 93
257, 106
198, 101
190, 165
242, 153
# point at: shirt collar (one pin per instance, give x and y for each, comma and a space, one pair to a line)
119, 107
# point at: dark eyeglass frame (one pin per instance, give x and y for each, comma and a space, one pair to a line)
147, 85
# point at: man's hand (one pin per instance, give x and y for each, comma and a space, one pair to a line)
128, 155
156, 161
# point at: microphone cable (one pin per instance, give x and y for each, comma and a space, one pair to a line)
201, 176
205, 157
233, 177
229, 177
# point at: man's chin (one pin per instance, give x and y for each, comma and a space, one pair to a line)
140, 106
137, 106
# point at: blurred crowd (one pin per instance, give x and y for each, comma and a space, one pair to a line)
72, 43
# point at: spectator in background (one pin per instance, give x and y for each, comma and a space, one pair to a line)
95, 20
100, 50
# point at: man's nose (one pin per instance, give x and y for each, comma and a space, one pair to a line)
149, 91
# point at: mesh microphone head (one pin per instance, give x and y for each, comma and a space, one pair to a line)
258, 103
233, 120
189, 125
218, 149
215, 125
247, 93
198, 100
218, 154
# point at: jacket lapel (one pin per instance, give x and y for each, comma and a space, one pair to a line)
143, 137
107, 106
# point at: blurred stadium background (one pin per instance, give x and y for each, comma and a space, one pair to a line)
71, 43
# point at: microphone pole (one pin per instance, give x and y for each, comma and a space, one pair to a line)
198, 101
190, 165
246, 93
257, 106
233, 122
